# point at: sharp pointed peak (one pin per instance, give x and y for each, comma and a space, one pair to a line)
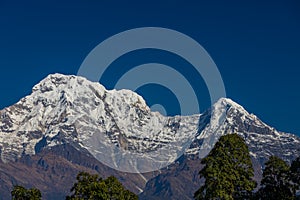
227, 102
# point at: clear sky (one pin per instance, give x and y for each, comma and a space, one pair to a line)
255, 44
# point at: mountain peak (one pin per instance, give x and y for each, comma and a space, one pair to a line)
228, 103
117, 128
72, 86
64, 82
71, 109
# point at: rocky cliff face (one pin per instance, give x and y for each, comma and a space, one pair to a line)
116, 127
70, 124
180, 180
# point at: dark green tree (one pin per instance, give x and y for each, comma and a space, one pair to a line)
93, 187
295, 173
88, 187
117, 191
228, 171
276, 183
21, 193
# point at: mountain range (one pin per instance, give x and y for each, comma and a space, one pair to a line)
69, 124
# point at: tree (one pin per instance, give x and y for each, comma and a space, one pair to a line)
117, 191
93, 187
228, 171
295, 173
88, 187
276, 183
21, 193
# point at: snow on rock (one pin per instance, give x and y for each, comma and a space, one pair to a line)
226, 117
71, 109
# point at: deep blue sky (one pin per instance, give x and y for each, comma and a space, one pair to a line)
255, 44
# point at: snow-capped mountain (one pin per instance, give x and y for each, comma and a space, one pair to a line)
181, 179
70, 109
119, 130
117, 127
226, 117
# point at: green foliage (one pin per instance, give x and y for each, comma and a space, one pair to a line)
277, 182
228, 171
21, 193
117, 191
93, 187
295, 173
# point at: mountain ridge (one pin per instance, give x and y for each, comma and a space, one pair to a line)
83, 113
73, 114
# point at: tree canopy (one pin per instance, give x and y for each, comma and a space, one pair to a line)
93, 187
228, 171
21, 193
295, 173
280, 181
